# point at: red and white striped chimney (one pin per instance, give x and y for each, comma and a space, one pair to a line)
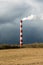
21, 34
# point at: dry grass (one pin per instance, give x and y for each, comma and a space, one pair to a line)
22, 56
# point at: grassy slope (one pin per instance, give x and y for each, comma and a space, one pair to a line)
22, 56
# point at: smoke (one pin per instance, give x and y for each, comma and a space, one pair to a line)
33, 17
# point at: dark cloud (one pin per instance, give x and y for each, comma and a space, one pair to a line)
11, 12
32, 34
39, 0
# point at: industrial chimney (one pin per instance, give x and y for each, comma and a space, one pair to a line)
31, 17
21, 34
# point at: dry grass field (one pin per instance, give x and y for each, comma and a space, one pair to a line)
21, 56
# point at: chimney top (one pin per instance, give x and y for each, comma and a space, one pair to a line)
21, 21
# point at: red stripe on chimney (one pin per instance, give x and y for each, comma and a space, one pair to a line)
21, 26
21, 31
21, 35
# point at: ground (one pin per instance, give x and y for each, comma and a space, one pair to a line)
21, 56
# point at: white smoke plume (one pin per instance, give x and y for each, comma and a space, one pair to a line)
33, 17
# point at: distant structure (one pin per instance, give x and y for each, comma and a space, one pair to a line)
31, 17
21, 34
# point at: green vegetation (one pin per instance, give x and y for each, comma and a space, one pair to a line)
9, 46
13, 46
34, 45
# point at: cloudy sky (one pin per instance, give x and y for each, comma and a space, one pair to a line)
12, 11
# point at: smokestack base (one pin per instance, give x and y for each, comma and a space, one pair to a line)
21, 34
21, 45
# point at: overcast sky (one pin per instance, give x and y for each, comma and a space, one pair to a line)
12, 11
